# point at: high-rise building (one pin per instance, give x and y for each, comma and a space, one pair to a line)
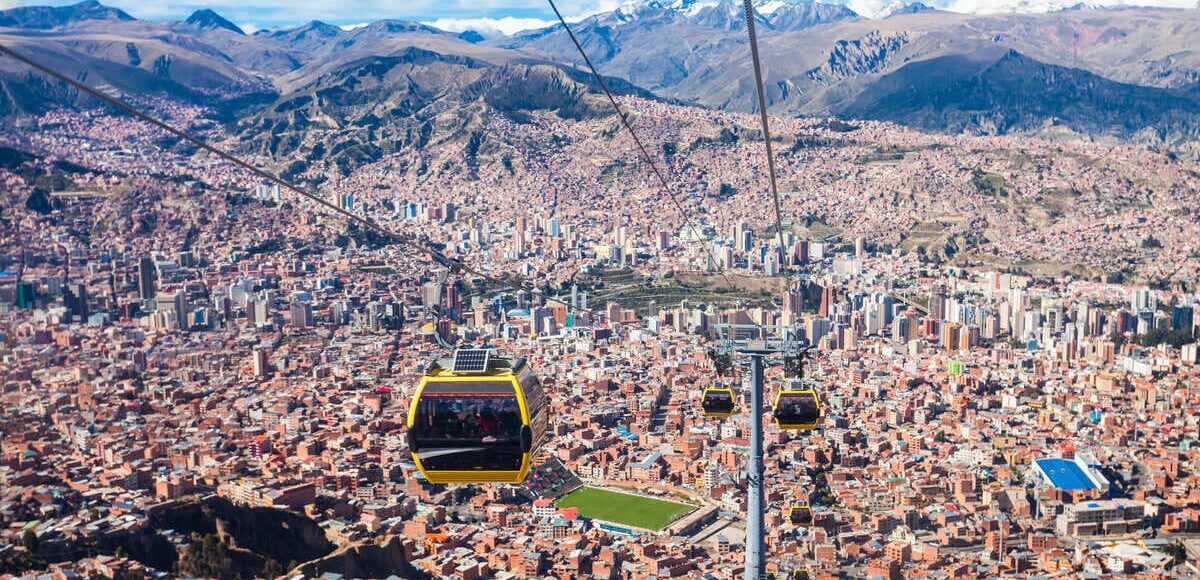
735, 232
76, 299
261, 362
726, 256
1031, 326
1181, 318
223, 307
950, 335
1095, 322
393, 316
793, 301
816, 329
937, 305
175, 307
664, 240
827, 301
990, 327
802, 252
262, 311
301, 315
771, 265
146, 278
900, 329
452, 301
876, 317
26, 295
613, 311
1141, 300
339, 313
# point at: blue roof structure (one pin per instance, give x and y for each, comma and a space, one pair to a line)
1065, 474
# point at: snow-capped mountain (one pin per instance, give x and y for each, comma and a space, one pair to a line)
727, 14
896, 7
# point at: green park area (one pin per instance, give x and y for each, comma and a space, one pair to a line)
624, 508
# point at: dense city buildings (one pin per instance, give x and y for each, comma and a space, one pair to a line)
187, 335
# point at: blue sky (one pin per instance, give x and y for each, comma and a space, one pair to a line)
496, 15
269, 13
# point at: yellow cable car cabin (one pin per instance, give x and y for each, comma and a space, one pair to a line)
477, 418
718, 401
798, 408
801, 515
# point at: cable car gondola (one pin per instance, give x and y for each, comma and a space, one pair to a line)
718, 401
797, 408
477, 418
801, 515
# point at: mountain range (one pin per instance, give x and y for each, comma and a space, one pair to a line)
318, 90
826, 60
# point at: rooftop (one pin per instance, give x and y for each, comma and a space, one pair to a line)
1065, 474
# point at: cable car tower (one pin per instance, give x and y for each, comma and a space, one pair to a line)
762, 346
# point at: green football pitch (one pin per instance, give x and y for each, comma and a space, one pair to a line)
624, 508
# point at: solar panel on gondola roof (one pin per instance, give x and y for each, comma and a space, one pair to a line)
471, 360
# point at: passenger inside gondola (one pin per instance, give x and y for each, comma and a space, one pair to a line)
718, 402
798, 409
469, 432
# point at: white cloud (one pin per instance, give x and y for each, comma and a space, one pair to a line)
595, 7
506, 26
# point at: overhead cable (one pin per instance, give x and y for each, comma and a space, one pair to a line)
408, 240
638, 141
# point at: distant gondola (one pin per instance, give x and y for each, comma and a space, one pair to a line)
477, 418
718, 402
800, 515
798, 408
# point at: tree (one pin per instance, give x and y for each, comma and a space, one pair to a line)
1157, 336
208, 558
39, 201
1176, 551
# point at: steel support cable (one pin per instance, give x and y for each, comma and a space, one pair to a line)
453, 264
766, 129
637, 140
